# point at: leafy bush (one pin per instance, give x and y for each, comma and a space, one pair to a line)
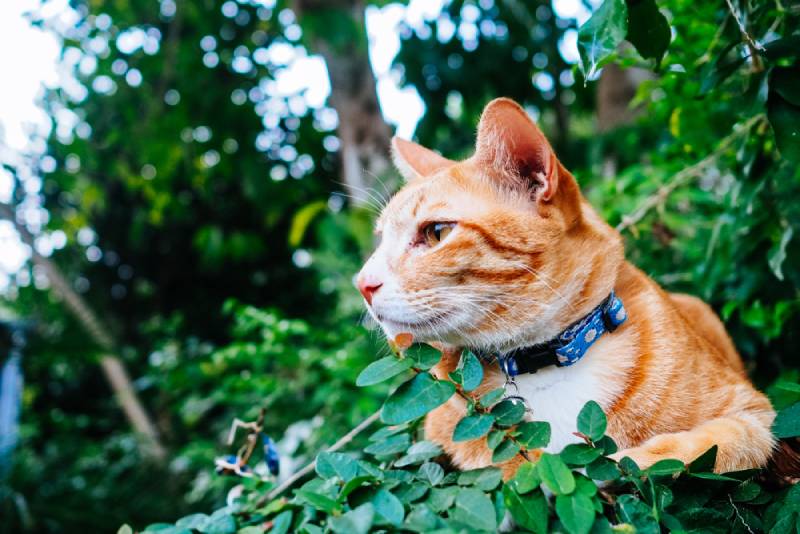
397, 483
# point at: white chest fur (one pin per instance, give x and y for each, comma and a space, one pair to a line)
557, 394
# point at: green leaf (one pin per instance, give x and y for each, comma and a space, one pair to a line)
422, 519
706, 461
648, 29
555, 474
423, 356
603, 469
526, 478
416, 398
629, 466
386, 432
529, 511
336, 464
632, 510
440, 499
580, 454
584, 485
599, 36
473, 427
392, 445
746, 491
220, 522
485, 479
505, 451
381, 370
665, 467
125, 529
534, 434
474, 509
787, 422
357, 521
388, 508
785, 120
786, 82
282, 523
431, 472
490, 398
317, 500
409, 492
418, 453
576, 512
471, 371
713, 476
194, 521
353, 484
302, 219
165, 528
591, 420
607, 445
777, 254
508, 412
494, 439
155, 527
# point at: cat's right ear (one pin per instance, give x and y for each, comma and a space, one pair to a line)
414, 160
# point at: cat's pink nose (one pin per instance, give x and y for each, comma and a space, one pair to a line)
368, 285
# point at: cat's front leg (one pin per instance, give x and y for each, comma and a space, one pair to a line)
744, 441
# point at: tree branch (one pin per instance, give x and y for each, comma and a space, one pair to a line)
344, 440
115, 372
683, 177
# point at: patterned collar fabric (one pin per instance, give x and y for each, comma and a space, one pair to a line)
570, 345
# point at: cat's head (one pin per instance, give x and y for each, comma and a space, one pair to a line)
496, 251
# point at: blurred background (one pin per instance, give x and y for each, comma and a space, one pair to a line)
187, 189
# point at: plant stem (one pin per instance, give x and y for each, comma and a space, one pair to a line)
344, 440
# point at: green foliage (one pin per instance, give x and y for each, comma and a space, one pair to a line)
390, 488
712, 149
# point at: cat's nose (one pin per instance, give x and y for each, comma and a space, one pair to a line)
368, 285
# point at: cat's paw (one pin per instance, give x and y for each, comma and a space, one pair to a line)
640, 455
644, 456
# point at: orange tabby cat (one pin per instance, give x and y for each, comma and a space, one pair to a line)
501, 251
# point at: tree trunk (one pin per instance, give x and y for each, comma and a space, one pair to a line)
113, 368
336, 30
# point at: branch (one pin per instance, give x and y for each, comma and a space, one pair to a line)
754, 46
116, 374
683, 177
344, 440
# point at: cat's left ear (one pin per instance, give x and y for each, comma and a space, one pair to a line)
414, 160
510, 142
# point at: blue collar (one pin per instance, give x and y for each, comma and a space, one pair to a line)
570, 345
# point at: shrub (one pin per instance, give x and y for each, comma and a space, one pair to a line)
398, 482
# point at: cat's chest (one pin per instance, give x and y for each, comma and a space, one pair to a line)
557, 395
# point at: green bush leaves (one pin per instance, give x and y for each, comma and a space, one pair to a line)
600, 36
592, 421
473, 427
381, 370
416, 398
638, 21
409, 491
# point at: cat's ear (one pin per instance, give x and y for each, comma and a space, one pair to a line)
414, 160
511, 143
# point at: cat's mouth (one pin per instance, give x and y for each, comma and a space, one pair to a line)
427, 324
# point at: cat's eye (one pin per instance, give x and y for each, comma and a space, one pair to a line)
436, 232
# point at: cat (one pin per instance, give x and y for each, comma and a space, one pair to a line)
500, 253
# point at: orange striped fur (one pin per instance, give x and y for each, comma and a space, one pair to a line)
526, 257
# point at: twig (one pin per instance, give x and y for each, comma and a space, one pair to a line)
344, 440
683, 177
754, 46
